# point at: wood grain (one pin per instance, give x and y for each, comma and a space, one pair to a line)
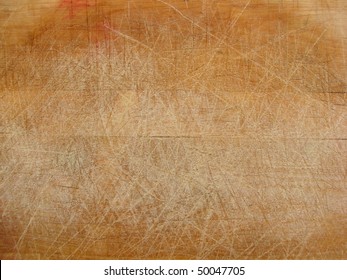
173, 129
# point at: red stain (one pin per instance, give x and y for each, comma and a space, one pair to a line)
100, 33
74, 6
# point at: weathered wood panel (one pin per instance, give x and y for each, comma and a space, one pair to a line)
173, 129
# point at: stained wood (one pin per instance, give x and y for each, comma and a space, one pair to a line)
173, 129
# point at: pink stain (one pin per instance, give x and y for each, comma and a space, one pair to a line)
99, 31
74, 6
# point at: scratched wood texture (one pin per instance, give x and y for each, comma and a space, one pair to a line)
173, 129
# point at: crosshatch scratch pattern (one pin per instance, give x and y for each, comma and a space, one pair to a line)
173, 129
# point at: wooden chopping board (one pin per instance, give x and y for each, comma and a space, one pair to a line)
173, 129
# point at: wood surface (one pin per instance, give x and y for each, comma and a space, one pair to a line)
173, 129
